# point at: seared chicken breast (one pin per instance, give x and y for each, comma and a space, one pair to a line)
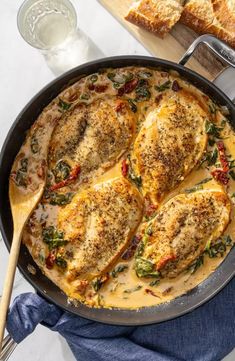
98, 224
180, 232
90, 136
169, 145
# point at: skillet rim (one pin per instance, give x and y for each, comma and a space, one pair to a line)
147, 315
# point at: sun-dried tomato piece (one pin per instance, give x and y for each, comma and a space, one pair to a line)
101, 88
175, 86
128, 87
150, 210
158, 98
120, 106
222, 156
124, 168
220, 175
50, 260
72, 177
91, 86
150, 292
164, 260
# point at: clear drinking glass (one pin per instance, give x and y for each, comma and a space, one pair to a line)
51, 27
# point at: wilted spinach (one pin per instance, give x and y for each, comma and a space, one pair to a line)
61, 171
34, 145
164, 86
120, 268
145, 268
21, 178
132, 176
196, 264
134, 289
219, 247
63, 105
198, 186
61, 262
142, 91
57, 199
212, 129
53, 238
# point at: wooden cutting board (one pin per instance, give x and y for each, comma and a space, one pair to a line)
173, 46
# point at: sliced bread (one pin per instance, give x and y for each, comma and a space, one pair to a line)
156, 16
216, 17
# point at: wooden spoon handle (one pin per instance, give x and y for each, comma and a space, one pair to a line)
9, 279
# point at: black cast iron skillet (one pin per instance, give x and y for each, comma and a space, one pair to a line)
179, 306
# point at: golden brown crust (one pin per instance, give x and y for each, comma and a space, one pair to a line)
183, 227
170, 143
157, 17
99, 223
225, 14
210, 16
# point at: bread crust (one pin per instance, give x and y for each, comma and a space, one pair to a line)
224, 14
157, 17
210, 16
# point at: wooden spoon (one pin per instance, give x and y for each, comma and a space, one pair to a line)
22, 205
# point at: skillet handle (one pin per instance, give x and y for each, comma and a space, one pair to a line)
8, 347
222, 50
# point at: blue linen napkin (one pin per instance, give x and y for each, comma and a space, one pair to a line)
206, 334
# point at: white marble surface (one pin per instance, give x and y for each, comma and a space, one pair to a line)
23, 72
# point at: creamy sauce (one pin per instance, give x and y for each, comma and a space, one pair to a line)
125, 290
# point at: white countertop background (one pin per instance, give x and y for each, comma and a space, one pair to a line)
23, 72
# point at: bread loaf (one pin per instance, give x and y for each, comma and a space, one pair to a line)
216, 17
157, 16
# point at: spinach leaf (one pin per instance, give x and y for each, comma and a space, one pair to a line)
198, 186
142, 94
93, 78
120, 268
194, 189
132, 105
21, 178
34, 145
210, 157
134, 178
164, 86
128, 77
111, 76
53, 238
60, 199
96, 284
63, 105
219, 247
145, 268
154, 283
61, 262
116, 85
84, 96
134, 289
212, 129
196, 264
142, 91
140, 249
24, 164
61, 171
